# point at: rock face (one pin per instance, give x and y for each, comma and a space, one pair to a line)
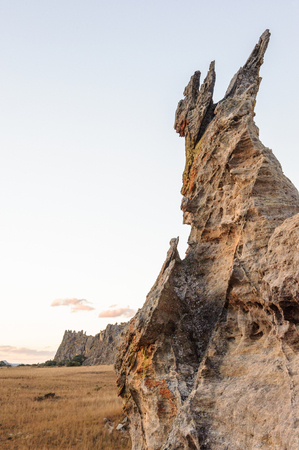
211, 361
98, 349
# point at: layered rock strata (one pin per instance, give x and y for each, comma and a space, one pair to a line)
211, 360
98, 349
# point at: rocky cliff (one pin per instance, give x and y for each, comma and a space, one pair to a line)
98, 349
211, 361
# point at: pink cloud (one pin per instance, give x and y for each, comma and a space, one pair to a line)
82, 308
8, 349
75, 303
126, 312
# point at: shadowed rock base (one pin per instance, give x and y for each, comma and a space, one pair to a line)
211, 360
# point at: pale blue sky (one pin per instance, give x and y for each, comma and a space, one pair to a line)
91, 167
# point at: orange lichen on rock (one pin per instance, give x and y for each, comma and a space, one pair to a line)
166, 402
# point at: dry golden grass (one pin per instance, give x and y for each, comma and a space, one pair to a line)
73, 419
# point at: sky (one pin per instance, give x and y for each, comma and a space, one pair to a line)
91, 168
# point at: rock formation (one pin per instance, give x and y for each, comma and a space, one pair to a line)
98, 349
4, 364
211, 360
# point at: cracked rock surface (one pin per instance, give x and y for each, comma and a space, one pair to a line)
211, 360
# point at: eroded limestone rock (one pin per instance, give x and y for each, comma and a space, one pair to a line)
98, 349
211, 360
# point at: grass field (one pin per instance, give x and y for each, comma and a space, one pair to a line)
72, 419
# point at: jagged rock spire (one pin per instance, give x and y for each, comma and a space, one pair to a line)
248, 75
211, 361
196, 110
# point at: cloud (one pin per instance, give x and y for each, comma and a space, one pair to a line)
9, 349
82, 308
126, 312
75, 303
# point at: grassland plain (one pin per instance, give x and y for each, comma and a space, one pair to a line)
72, 419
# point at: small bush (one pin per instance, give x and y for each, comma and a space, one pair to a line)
49, 395
50, 362
79, 358
40, 398
76, 361
62, 363
73, 363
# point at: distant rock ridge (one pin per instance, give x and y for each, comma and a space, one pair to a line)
211, 361
98, 349
4, 363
